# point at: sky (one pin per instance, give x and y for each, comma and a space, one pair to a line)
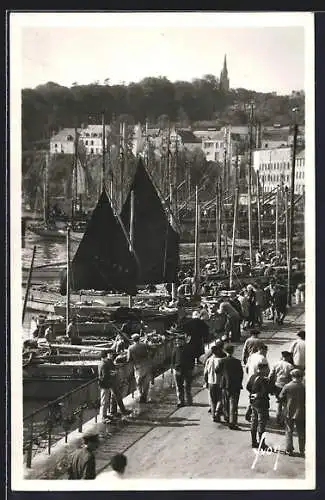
260, 58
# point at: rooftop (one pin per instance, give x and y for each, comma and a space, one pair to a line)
187, 136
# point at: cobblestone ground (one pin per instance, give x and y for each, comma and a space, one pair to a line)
161, 441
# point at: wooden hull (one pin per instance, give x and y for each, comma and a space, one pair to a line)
50, 381
40, 389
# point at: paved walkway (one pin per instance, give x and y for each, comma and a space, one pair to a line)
161, 441
187, 444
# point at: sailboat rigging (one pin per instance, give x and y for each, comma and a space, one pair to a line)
155, 241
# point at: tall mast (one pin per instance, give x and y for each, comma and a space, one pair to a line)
122, 160
218, 226
168, 158
277, 221
286, 208
233, 238
131, 235
292, 207
46, 189
103, 152
259, 225
147, 144
249, 206
173, 200
74, 178
68, 279
197, 244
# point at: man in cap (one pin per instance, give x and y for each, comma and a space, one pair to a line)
83, 462
256, 358
214, 379
233, 319
294, 398
252, 343
138, 355
297, 350
109, 392
198, 331
182, 363
231, 371
280, 375
259, 388
251, 297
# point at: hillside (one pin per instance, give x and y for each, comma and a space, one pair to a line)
50, 107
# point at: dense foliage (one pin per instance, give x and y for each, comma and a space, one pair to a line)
48, 108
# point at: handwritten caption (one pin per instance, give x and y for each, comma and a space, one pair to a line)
261, 452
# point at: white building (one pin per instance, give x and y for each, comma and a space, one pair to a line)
214, 147
274, 166
63, 142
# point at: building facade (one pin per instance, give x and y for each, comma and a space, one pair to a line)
274, 167
63, 142
215, 146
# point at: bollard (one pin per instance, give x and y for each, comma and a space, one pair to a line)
80, 421
30, 448
49, 442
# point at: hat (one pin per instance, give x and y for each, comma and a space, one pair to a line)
262, 364
218, 343
90, 436
301, 334
254, 331
135, 336
195, 314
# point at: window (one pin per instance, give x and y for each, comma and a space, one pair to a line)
69, 138
287, 178
266, 145
215, 156
93, 135
86, 142
87, 135
91, 143
91, 151
269, 166
55, 145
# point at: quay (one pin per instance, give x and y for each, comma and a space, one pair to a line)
161, 441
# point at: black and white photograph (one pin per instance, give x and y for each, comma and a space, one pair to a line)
162, 212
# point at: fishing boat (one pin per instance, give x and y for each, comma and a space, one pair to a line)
51, 229
100, 265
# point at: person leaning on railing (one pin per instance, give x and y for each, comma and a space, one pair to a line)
109, 392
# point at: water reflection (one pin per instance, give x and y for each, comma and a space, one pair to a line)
47, 252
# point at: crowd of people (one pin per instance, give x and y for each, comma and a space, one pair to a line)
224, 376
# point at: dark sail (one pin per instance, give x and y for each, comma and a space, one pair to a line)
103, 260
156, 244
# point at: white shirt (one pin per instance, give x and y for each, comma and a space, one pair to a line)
298, 353
110, 476
210, 368
253, 361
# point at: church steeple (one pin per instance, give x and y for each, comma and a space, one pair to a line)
224, 80
225, 71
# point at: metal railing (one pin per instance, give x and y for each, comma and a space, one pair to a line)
56, 420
